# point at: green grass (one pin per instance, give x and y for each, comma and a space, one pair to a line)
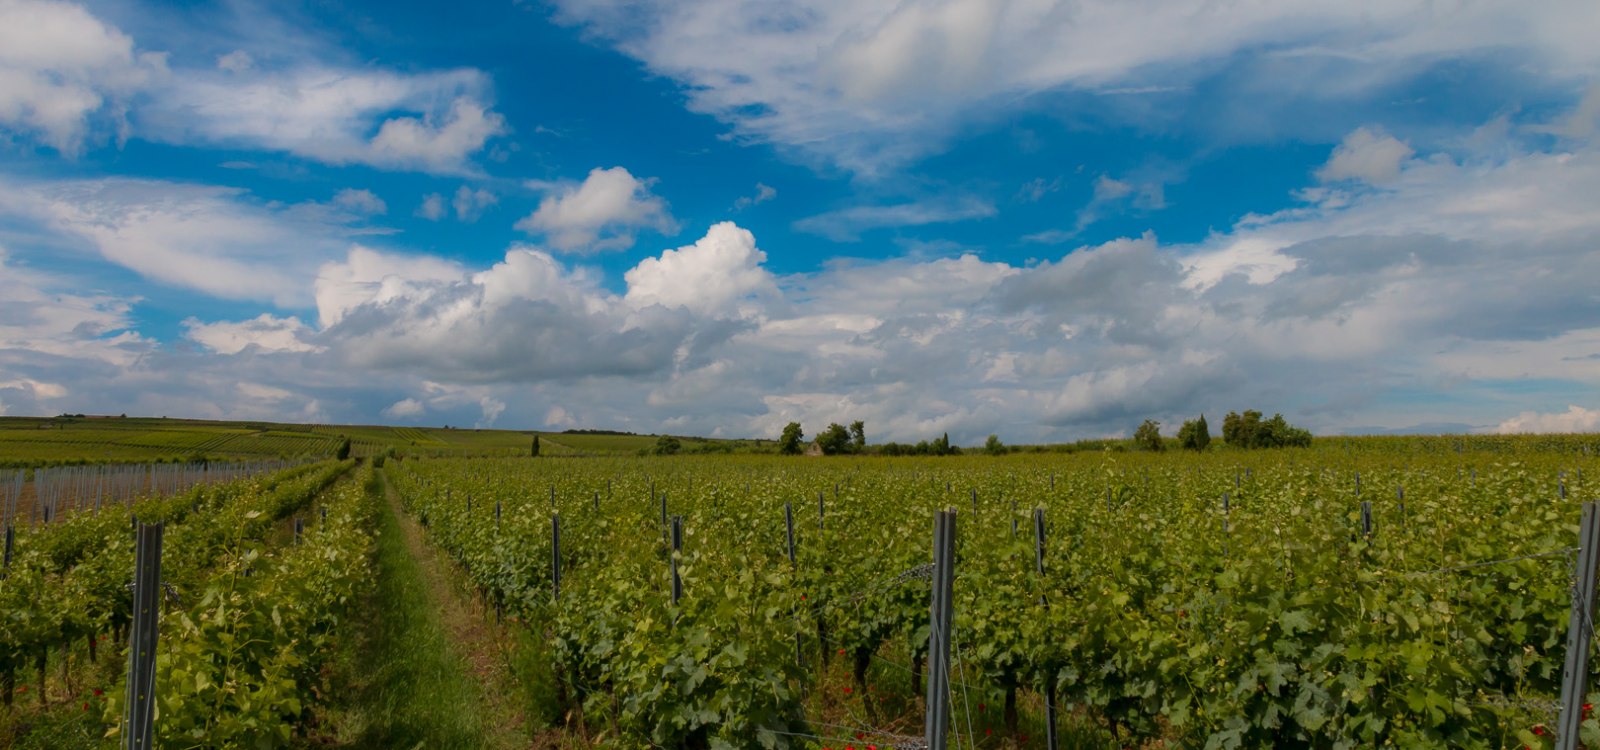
409, 687
41, 441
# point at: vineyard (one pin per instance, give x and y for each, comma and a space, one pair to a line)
1396, 593
1221, 601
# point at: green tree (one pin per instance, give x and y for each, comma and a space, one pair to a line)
1194, 434
790, 443
993, 446
834, 440
666, 445
344, 450
1148, 436
1278, 433
1242, 431
1250, 431
858, 435
534, 452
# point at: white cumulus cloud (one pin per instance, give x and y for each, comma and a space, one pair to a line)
1368, 155
406, 407
265, 332
711, 276
60, 65
1574, 419
600, 214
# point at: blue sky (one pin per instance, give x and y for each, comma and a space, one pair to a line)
1042, 220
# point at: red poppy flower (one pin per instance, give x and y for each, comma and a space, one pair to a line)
847, 691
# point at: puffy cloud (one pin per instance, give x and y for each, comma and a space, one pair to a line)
265, 332
406, 407
1367, 155
367, 276
59, 65
436, 142
470, 204
847, 224
711, 276
526, 318
432, 207
600, 214
865, 85
1574, 419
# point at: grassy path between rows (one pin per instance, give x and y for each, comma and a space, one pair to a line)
424, 671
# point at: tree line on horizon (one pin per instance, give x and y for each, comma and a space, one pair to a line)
1247, 430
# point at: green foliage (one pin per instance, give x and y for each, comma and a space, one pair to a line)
344, 450
858, 436
939, 447
835, 440
789, 444
666, 445
1148, 436
237, 666
1250, 431
993, 446
534, 450
1286, 628
1194, 435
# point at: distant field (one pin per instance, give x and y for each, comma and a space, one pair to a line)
35, 441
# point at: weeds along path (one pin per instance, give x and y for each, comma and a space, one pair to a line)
427, 671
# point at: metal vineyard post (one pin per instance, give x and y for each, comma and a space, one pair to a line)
138, 723
1580, 631
938, 698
